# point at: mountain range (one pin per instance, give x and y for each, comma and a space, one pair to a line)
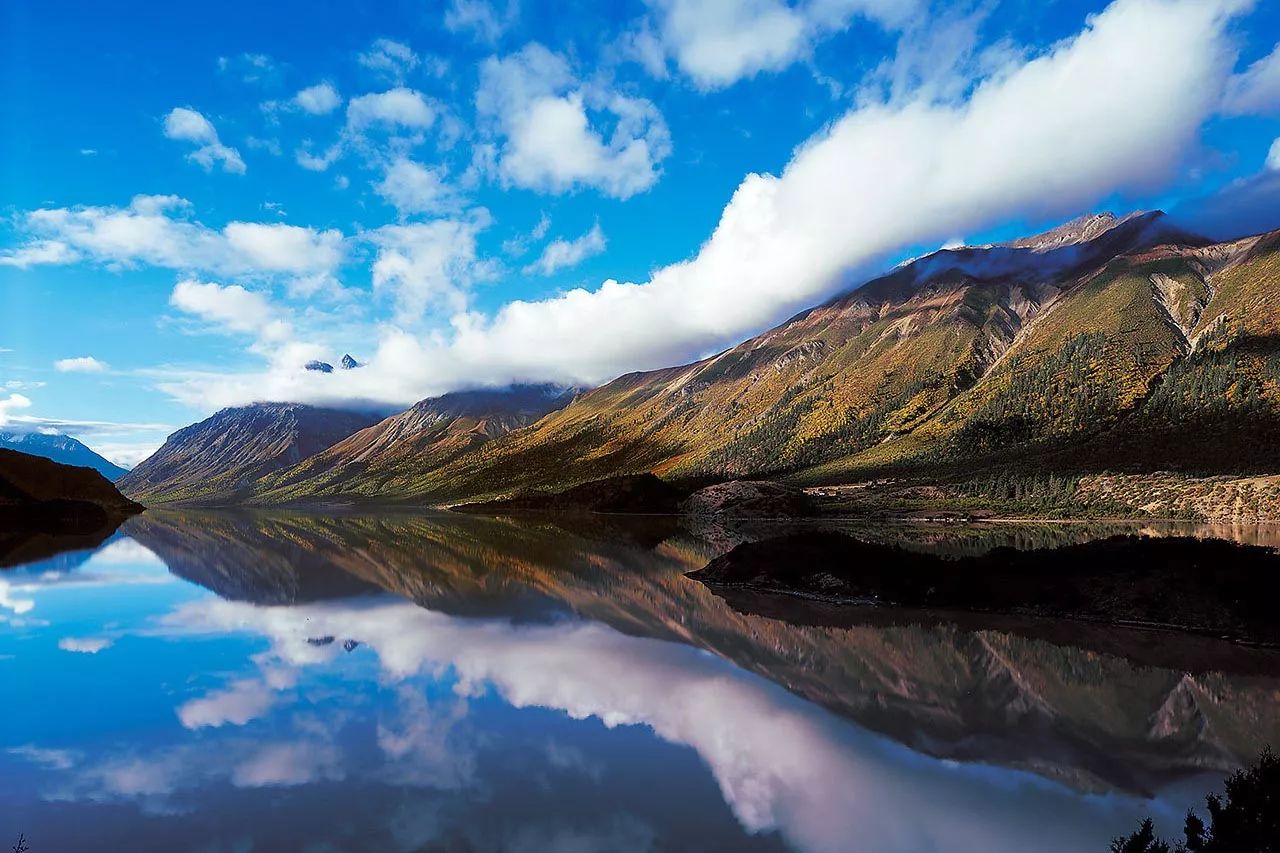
1109, 344
61, 448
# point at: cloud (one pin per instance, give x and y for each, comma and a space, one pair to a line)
391, 58
39, 253
319, 99
380, 125
83, 364
718, 42
51, 759
399, 106
427, 263
562, 254
1256, 90
84, 645
157, 231
883, 177
1273, 156
544, 117
9, 404
236, 705
188, 125
413, 188
229, 307
481, 18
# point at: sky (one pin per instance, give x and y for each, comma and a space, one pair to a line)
195, 201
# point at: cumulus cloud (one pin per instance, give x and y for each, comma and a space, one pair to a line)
228, 307
427, 263
10, 404
187, 125
413, 188
319, 99
563, 254
1256, 90
718, 42
84, 645
245, 700
548, 123
82, 364
398, 118
157, 230
482, 18
1112, 109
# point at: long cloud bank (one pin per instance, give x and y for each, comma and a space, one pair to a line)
1113, 109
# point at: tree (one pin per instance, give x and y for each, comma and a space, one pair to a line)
1246, 820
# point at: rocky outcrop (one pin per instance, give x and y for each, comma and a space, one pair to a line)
748, 499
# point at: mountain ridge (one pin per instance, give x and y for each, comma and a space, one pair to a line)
1087, 348
61, 448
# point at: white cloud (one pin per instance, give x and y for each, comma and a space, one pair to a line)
319, 99
229, 307
399, 106
1256, 90
38, 253
425, 264
413, 188
84, 645
718, 42
544, 115
235, 705
156, 230
562, 254
9, 404
83, 364
1113, 109
482, 18
391, 58
1273, 156
381, 125
188, 125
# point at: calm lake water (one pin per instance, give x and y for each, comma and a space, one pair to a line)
230, 682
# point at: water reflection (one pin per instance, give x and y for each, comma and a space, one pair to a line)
403, 682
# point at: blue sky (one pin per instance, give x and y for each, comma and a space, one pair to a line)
198, 201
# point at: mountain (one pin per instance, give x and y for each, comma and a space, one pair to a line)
219, 457
961, 359
61, 448
1109, 347
394, 454
47, 507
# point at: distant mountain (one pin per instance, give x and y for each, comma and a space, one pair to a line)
47, 507
220, 457
394, 454
349, 363
61, 448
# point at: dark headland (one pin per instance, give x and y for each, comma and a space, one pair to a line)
47, 507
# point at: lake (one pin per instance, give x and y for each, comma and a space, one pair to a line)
402, 682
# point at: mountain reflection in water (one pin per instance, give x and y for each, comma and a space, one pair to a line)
408, 682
